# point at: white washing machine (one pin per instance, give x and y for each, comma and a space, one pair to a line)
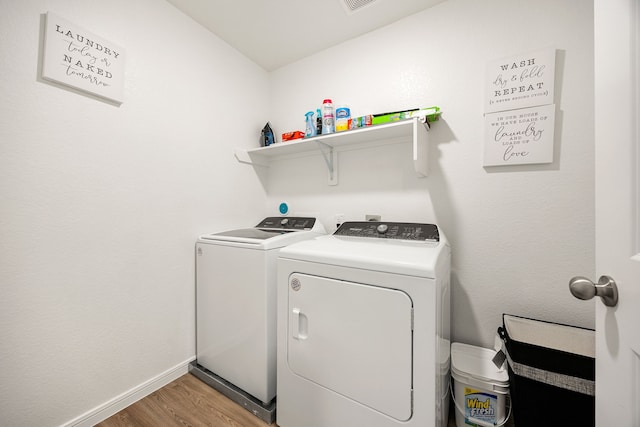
363, 328
236, 308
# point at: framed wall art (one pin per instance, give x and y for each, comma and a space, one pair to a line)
77, 58
517, 137
520, 81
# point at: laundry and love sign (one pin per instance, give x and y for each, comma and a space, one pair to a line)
523, 136
78, 58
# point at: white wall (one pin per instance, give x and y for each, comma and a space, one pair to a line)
518, 233
100, 205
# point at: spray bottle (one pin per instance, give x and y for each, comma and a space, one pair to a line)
311, 126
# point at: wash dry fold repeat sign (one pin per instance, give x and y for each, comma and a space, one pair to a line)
519, 109
77, 58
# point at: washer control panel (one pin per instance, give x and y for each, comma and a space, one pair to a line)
390, 230
288, 223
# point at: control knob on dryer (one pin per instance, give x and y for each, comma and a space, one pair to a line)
382, 228
284, 221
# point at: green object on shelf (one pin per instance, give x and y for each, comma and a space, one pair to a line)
431, 113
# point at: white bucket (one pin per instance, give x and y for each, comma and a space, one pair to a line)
480, 388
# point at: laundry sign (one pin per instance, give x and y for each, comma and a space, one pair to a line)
517, 137
77, 58
520, 81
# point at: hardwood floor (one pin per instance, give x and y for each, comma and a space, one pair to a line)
185, 402
188, 402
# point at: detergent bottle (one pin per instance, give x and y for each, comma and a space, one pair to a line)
328, 118
318, 121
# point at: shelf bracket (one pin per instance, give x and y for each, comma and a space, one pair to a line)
330, 157
421, 148
243, 156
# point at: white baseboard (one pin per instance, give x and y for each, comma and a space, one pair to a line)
115, 405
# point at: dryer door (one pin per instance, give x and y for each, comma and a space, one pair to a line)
353, 339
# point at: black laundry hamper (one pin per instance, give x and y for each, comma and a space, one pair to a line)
551, 372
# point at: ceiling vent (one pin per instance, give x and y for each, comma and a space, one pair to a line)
352, 6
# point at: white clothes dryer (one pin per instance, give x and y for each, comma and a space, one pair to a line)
363, 328
236, 308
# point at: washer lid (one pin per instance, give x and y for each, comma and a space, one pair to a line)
270, 233
246, 233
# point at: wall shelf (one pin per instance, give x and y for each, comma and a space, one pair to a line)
414, 130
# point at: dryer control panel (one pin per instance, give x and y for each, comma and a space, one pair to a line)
390, 230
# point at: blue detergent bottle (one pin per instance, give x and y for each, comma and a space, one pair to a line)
318, 121
311, 129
